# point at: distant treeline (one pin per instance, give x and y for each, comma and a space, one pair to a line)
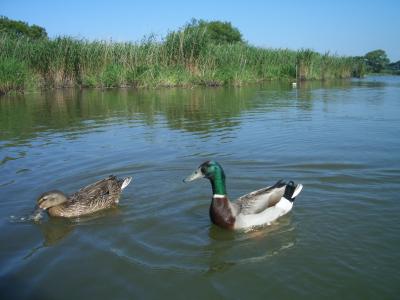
394, 68
200, 53
20, 28
377, 62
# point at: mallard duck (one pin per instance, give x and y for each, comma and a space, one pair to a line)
257, 208
97, 196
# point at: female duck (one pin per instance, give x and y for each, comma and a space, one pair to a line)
257, 208
92, 198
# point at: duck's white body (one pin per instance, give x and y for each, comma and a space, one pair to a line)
268, 214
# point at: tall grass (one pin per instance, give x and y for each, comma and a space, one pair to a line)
14, 76
182, 59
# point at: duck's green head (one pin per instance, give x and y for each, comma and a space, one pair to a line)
209, 169
50, 199
212, 171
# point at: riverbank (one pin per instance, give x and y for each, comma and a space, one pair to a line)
181, 60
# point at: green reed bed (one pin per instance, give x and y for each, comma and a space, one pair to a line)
181, 59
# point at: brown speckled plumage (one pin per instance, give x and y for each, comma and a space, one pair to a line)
97, 196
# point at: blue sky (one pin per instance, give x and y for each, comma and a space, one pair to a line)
342, 27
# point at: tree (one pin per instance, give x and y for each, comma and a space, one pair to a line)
216, 32
223, 32
20, 28
376, 60
187, 43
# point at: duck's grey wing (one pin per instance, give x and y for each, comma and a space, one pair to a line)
257, 201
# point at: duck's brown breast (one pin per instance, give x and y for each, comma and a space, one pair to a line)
221, 213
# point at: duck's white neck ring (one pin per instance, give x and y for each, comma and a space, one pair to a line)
219, 196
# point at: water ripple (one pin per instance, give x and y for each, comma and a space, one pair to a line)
339, 139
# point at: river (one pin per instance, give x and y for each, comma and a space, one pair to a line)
340, 139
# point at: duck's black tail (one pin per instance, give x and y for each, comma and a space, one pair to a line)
292, 190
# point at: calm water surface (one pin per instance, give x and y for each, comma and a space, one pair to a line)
341, 240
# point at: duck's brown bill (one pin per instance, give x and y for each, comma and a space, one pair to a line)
39, 202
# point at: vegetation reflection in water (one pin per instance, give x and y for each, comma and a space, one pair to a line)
200, 110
